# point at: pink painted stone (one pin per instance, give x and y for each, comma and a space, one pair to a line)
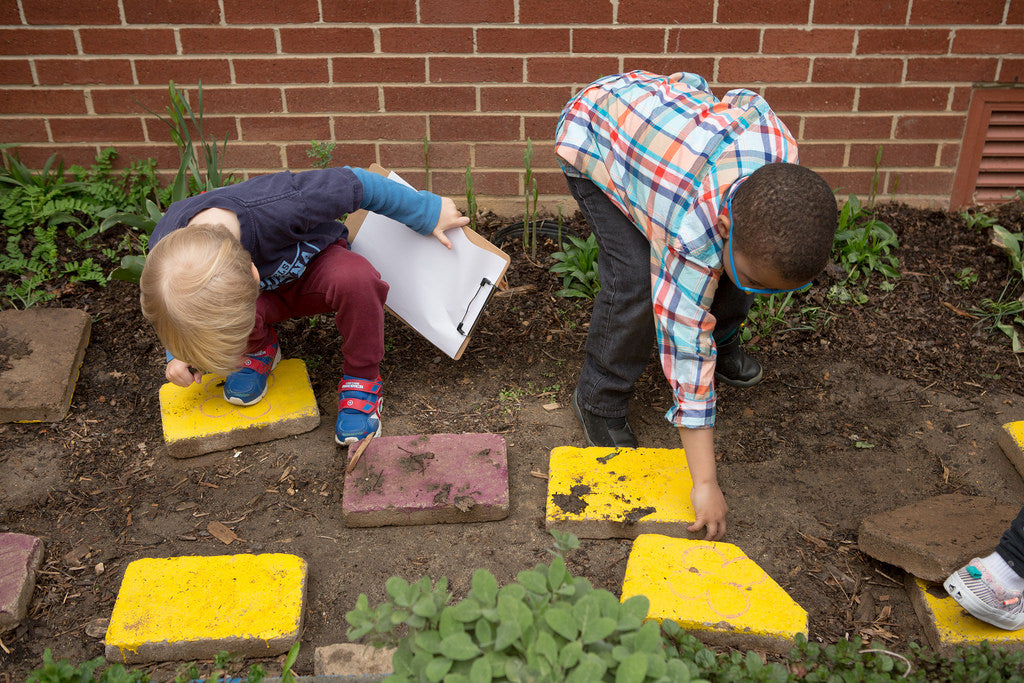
20, 557
428, 479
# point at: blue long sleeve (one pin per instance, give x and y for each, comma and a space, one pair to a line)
419, 210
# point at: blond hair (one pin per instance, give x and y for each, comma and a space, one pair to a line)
198, 291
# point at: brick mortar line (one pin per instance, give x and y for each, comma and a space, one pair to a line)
510, 143
281, 87
808, 115
512, 55
913, 82
377, 152
498, 84
1003, 24
906, 57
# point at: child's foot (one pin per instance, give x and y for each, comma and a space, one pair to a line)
603, 431
981, 594
359, 403
247, 386
735, 367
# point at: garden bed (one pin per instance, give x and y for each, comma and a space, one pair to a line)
880, 404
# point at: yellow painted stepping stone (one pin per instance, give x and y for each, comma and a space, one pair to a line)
198, 420
948, 625
619, 492
194, 607
1011, 440
714, 591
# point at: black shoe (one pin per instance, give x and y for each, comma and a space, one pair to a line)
611, 432
734, 367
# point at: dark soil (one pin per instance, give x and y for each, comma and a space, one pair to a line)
884, 404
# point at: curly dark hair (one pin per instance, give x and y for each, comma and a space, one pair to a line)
785, 217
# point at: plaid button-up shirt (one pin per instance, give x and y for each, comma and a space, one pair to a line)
668, 153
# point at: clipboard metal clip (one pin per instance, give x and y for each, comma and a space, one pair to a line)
484, 282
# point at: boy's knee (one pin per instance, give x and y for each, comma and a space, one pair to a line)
364, 284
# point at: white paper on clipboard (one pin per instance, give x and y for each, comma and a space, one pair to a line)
438, 292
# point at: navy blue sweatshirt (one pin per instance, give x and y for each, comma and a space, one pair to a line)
288, 218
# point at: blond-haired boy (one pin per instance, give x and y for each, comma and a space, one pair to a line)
226, 265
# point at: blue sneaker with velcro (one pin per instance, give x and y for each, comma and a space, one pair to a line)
359, 404
247, 386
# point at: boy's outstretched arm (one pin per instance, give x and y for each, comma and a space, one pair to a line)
450, 218
708, 502
422, 211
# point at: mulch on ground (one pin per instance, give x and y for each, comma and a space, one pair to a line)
108, 494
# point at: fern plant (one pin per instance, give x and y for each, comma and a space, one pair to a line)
52, 222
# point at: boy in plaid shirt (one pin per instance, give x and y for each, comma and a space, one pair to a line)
680, 187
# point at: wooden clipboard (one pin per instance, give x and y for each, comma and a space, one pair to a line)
355, 221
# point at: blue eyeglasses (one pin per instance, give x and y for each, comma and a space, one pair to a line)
736, 277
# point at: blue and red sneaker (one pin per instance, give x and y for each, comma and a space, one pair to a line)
247, 386
359, 403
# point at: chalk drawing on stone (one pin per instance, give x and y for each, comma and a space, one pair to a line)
723, 584
214, 406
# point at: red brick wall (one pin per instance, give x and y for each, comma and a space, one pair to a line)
478, 78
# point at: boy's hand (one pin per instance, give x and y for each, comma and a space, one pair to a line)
710, 509
178, 372
450, 218
708, 502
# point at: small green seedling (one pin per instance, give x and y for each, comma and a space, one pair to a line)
532, 193
978, 221
321, 154
471, 208
966, 278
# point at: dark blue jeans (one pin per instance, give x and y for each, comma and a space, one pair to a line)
621, 333
1011, 545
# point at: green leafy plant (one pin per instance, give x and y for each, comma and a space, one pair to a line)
1011, 243
64, 672
844, 294
52, 222
778, 314
546, 626
547, 605
966, 278
979, 220
471, 207
130, 267
510, 398
182, 120
286, 673
1005, 315
321, 154
864, 245
982, 663
576, 264
93, 671
29, 198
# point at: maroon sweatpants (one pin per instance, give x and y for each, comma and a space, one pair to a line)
340, 281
